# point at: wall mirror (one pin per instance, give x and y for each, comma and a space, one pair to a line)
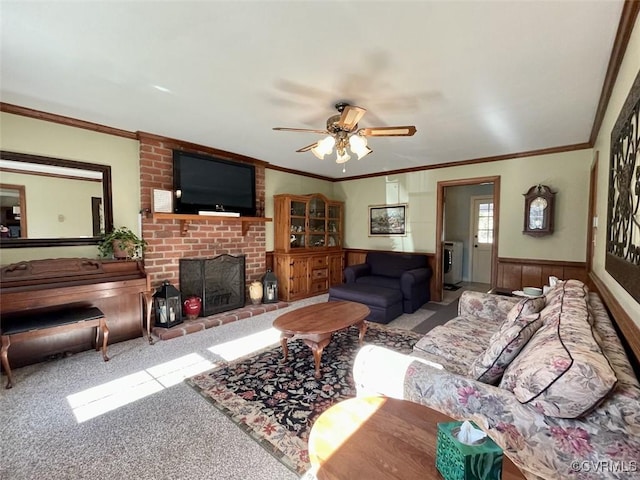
48, 201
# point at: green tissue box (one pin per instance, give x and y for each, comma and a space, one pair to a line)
457, 461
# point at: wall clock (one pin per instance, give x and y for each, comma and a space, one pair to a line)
538, 211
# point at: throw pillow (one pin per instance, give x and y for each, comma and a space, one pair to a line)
525, 307
504, 346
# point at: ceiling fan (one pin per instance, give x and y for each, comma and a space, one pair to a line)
343, 132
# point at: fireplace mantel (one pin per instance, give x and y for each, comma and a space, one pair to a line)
186, 219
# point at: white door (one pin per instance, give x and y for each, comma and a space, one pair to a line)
481, 238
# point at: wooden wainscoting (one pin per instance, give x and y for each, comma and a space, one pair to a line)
515, 273
354, 257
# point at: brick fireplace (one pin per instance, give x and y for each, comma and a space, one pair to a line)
207, 238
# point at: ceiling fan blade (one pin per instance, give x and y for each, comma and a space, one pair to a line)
350, 117
404, 131
307, 148
305, 130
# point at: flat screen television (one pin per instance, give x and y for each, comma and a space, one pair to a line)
208, 184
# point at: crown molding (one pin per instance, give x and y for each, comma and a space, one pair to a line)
62, 120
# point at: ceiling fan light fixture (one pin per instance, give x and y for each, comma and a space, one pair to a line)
366, 151
317, 153
357, 142
345, 136
358, 145
324, 147
342, 157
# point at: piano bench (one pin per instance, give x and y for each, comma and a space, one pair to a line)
34, 325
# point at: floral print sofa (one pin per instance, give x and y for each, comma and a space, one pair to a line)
547, 379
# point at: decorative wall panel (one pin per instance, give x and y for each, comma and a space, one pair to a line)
623, 211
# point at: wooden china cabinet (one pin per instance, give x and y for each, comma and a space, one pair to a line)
308, 256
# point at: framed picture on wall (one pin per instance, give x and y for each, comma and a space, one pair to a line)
388, 220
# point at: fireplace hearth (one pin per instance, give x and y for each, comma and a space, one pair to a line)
218, 281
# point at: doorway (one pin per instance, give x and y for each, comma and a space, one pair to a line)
13, 211
487, 228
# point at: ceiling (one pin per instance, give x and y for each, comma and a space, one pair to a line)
477, 78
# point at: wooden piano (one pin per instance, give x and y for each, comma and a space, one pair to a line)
116, 287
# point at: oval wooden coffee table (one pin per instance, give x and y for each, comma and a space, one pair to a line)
315, 324
380, 438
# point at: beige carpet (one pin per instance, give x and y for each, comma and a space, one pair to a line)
447, 309
408, 321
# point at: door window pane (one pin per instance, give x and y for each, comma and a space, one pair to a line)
485, 223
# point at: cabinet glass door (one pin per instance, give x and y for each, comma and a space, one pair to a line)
317, 222
333, 226
298, 225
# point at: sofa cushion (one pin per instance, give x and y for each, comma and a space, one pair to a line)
381, 282
394, 265
503, 347
460, 340
368, 295
562, 371
573, 288
491, 308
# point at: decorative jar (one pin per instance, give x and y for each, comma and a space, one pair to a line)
192, 307
255, 292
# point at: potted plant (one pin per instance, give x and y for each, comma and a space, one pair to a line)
121, 243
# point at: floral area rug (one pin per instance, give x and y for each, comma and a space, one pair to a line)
277, 402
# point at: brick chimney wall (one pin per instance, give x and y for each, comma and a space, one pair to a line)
206, 238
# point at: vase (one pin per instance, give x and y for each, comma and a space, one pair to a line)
122, 249
192, 307
255, 292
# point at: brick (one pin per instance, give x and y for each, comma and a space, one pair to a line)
162, 150
192, 327
169, 333
228, 319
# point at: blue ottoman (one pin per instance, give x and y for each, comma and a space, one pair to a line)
385, 303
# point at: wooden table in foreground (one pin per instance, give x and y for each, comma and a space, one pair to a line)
315, 324
380, 438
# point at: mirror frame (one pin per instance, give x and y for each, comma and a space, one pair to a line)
59, 162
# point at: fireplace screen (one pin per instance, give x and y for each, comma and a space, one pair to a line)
219, 282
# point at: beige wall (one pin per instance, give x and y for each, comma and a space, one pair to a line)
27, 135
628, 71
566, 173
